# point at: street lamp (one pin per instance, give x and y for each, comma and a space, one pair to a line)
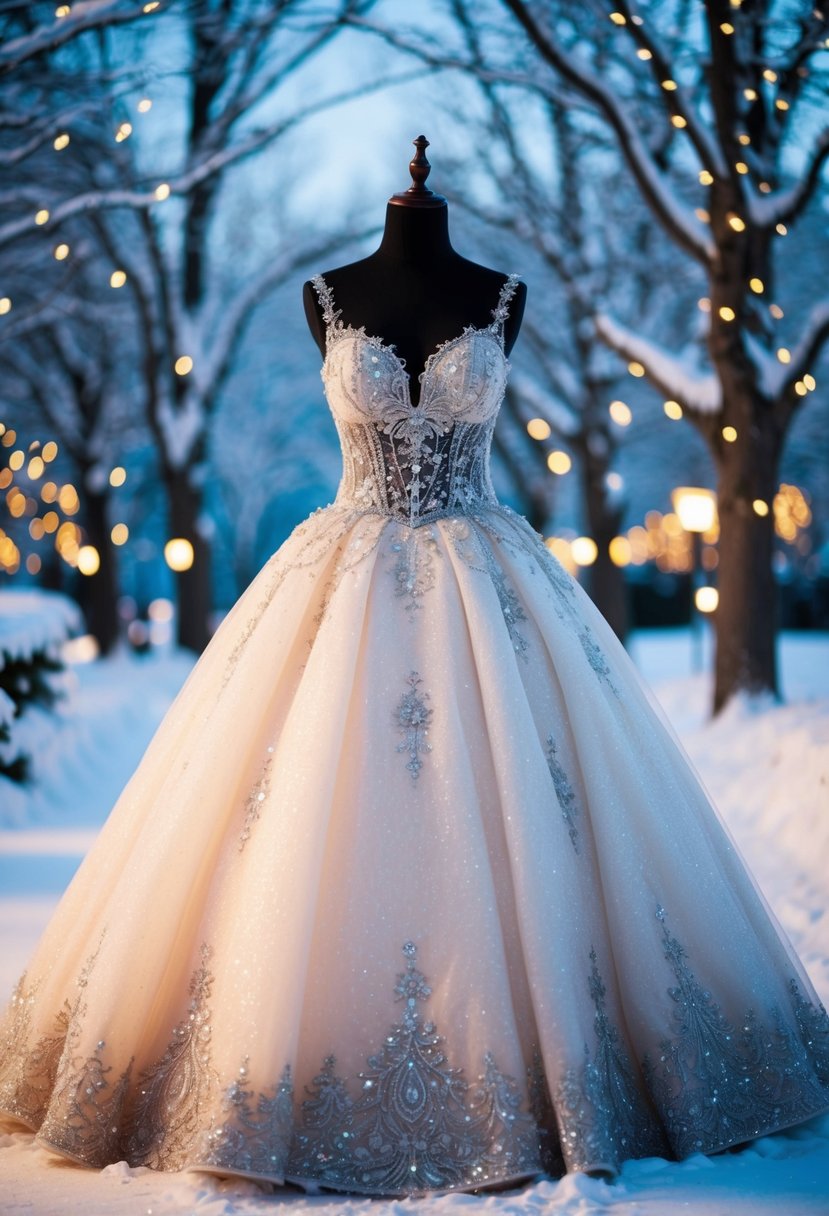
696, 509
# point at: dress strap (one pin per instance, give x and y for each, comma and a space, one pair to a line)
501, 310
326, 299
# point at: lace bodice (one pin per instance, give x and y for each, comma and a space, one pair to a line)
415, 462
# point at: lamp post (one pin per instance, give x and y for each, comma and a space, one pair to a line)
696, 509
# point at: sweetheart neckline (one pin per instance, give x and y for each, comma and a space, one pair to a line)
358, 331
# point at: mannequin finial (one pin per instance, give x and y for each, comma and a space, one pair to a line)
419, 194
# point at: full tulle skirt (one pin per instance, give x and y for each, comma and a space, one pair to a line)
413, 890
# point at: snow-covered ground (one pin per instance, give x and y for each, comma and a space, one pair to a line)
767, 768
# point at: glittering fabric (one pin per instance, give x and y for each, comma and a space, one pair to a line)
413, 733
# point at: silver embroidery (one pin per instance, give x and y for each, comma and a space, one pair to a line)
716, 1083
413, 718
254, 800
417, 1124
254, 1130
413, 569
564, 792
595, 655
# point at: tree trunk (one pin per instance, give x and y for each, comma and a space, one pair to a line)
193, 589
746, 658
99, 591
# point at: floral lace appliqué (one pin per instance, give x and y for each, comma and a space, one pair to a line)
413, 717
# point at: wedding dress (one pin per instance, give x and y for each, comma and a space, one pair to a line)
413, 889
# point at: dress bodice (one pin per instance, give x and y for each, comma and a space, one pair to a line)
415, 462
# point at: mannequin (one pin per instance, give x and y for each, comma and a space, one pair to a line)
415, 292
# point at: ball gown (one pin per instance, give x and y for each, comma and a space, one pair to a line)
413, 889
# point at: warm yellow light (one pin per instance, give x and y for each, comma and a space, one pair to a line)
741, 166
705, 178
50, 521
162, 191
669, 85
538, 428
780, 229
16, 460
736, 222
761, 507
61, 252
68, 499
776, 311
704, 304
770, 75
757, 285
36, 529
750, 94
584, 550
784, 354
810, 382
729, 434
621, 553
5, 305
6, 478
124, 132
644, 53
89, 560
42, 216
117, 476
706, 599
673, 410
726, 27
559, 462
50, 451
744, 139
63, 10
36, 467
151, 6
119, 534
636, 369
144, 105
727, 314
696, 507
620, 413
781, 103
178, 554
60, 141
9, 437
617, 18
48, 491
118, 278
678, 121
800, 388
183, 365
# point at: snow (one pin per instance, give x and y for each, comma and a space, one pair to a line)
668, 373
767, 767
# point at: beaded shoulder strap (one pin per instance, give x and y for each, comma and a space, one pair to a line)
501, 310
326, 299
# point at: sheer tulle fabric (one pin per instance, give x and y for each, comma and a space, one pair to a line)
413, 890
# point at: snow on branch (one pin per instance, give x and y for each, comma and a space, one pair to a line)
540, 401
672, 376
675, 217
86, 15
805, 355
783, 206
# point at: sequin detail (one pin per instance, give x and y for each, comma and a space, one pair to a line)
717, 1083
595, 656
416, 550
256, 798
565, 793
413, 717
417, 1125
416, 463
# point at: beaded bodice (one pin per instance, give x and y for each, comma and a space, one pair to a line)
415, 462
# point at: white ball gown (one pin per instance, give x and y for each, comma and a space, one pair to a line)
413, 889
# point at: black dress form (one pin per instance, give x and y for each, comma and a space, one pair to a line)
415, 292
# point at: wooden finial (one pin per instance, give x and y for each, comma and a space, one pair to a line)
419, 194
